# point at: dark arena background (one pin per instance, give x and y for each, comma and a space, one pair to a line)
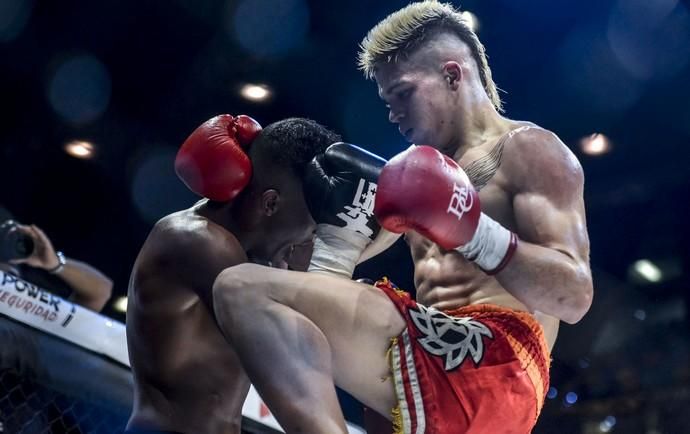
97, 95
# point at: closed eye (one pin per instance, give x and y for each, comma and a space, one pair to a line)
398, 96
404, 94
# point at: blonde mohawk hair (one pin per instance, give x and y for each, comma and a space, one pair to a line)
403, 31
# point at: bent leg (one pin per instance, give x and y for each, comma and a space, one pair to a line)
289, 326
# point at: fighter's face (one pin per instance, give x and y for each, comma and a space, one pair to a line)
290, 232
419, 101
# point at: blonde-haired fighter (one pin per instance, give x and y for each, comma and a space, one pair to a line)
529, 256
476, 359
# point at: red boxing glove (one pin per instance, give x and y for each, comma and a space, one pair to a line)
246, 129
212, 162
425, 191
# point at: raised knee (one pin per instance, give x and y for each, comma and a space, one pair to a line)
234, 277
233, 284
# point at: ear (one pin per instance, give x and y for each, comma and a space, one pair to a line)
452, 73
270, 202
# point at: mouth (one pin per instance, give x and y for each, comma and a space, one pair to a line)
282, 258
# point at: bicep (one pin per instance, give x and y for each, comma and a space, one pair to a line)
549, 223
548, 202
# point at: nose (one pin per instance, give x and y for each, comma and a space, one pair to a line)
394, 116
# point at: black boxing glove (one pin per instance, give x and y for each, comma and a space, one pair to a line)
340, 188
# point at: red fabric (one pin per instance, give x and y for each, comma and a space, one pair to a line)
496, 394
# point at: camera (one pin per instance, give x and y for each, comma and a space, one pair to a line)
14, 244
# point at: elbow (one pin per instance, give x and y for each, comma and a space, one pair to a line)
105, 291
96, 297
578, 304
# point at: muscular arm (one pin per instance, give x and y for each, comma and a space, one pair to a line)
381, 243
90, 287
549, 271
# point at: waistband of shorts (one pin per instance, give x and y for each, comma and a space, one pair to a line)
474, 310
494, 310
385, 284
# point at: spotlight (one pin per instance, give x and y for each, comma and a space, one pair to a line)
80, 149
255, 92
647, 270
120, 304
596, 144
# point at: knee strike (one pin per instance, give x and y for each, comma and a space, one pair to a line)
235, 285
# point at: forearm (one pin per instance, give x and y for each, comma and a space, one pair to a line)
548, 281
90, 287
381, 243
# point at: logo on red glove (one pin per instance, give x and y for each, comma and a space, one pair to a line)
461, 201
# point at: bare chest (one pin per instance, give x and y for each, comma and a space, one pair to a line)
484, 169
444, 275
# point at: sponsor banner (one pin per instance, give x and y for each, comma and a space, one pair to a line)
38, 308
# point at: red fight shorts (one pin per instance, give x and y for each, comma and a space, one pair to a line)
480, 369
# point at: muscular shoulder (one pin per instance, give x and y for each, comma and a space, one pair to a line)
536, 160
185, 250
186, 237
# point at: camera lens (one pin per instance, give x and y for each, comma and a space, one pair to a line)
14, 244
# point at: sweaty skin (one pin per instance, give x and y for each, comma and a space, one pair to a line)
528, 181
187, 378
445, 279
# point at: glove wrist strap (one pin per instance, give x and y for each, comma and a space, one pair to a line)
491, 247
336, 250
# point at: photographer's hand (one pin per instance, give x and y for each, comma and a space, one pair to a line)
91, 288
44, 255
